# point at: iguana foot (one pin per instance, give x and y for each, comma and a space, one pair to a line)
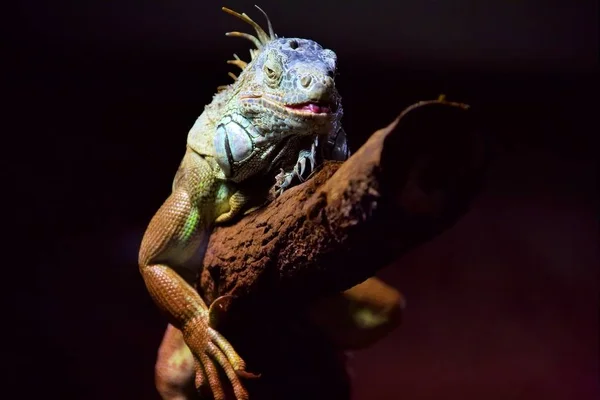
212, 352
283, 180
190, 360
300, 168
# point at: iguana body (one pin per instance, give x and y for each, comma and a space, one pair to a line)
282, 114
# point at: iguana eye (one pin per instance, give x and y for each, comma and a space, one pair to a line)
271, 74
272, 70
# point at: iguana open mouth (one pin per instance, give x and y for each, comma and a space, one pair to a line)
307, 108
314, 108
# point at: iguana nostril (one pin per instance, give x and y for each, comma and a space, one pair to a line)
305, 80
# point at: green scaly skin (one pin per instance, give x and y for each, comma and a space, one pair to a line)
282, 114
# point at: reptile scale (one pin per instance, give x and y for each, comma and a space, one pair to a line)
282, 113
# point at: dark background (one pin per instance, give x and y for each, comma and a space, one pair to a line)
503, 305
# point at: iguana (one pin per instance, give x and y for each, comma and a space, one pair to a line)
275, 123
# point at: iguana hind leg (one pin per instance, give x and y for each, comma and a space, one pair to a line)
174, 369
361, 315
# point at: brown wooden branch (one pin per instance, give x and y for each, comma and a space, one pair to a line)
407, 183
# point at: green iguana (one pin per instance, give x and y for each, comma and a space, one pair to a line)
278, 120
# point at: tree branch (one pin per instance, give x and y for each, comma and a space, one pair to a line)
406, 184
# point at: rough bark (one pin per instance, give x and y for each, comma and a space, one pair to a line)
407, 183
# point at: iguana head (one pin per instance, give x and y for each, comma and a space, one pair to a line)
288, 84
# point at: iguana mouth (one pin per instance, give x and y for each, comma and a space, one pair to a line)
305, 109
310, 107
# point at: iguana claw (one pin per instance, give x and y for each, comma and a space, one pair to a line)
300, 167
284, 180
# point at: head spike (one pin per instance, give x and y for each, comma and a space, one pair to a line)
240, 63
262, 35
248, 36
271, 33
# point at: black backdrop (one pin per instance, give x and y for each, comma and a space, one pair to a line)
504, 305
